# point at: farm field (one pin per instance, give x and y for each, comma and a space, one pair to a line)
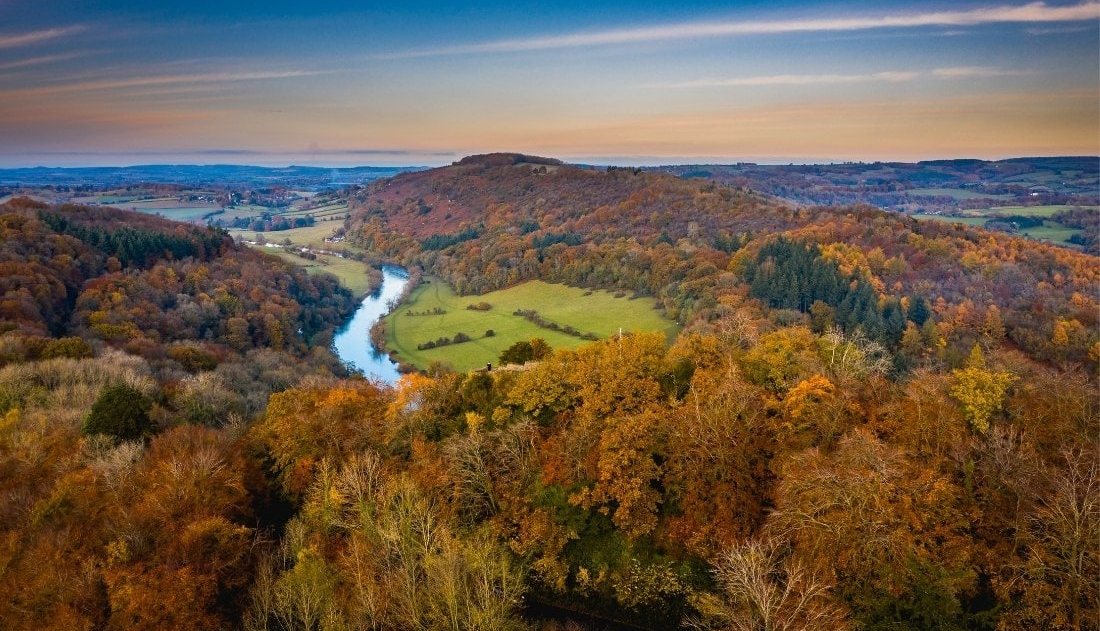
328, 209
954, 193
175, 213
352, 274
970, 221
1028, 211
309, 235
168, 207
245, 210
598, 312
1051, 231
199, 206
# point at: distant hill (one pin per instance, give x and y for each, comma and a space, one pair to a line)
934, 185
231, 176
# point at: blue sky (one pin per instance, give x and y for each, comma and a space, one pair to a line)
115, 82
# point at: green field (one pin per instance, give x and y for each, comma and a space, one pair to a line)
970, 221
167, 207
188, 213
310, 235
319, 211
352, 274
1051, 231
600, 312
954, 193
1029, 211
245, 210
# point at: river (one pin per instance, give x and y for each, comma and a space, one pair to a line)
352, 341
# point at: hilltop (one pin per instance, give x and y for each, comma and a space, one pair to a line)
487, 222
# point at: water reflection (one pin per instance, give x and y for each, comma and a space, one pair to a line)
352, 341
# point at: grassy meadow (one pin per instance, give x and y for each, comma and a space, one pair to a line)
970, 221
954, 193
1025, 211
1049, 231
314, 235
352, 274
598, 312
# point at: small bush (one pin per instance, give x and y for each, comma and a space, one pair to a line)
490, 333
523, 352
192, 359
70, 347
518, 353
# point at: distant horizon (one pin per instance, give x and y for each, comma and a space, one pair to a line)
635, 161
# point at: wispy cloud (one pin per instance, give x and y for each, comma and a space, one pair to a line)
895, 76
794, 79
38, 61
1031, 13
967, 72
163, 80
1057, 30
15, 40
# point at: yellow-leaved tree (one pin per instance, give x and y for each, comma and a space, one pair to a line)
979, 390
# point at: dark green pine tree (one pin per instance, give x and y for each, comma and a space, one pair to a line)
919, 312
121, 411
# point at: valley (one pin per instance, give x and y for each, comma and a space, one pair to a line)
550, 316
837, 390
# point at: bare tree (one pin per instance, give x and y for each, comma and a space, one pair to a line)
764, 589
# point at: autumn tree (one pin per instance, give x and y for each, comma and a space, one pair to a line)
1053, 583
762, 588
893, 532
317, 420
979, 390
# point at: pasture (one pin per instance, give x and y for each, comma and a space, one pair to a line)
597, 311
970, 221
1049, 231
954, 193
310, 235
1028, 211
176, 213
351, 274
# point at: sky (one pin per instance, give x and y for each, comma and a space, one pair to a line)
340, 83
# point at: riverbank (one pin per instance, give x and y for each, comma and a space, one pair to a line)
352, 342
318, 251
